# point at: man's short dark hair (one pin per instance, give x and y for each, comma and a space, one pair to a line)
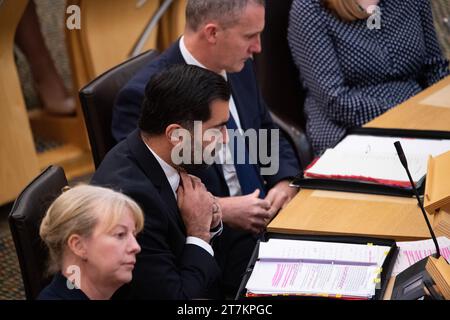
226, 12
181, 94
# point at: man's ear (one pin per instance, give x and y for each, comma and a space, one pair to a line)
78, 246
210, 32
174, 134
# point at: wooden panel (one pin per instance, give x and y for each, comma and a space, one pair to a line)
110, 28
75, 161
62, 129
389, 289
18, 160
59, 155
437, 186
80, 167
172, 24
340, 213
80, 75
420, 112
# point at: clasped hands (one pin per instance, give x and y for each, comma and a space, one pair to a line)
199, 209
202, 212
252, 214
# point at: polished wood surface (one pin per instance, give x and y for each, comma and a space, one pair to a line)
110, 28
429, 110
351, 214
437, 185
389, 289
18, 159
172, 24
439, 270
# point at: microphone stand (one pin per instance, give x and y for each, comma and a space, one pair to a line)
414, 282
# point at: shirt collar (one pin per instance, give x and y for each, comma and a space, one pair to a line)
171, 173
190, 59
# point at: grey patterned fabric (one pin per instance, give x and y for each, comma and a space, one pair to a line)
352, 73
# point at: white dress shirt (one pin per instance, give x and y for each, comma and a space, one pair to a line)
173, 177
228, 168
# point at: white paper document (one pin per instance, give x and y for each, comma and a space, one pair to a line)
312, 279
317, 268
374, 159
312, 251
414, 251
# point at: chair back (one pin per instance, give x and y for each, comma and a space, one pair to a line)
97, 101
24, 221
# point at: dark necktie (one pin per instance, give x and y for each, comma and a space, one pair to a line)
248, 174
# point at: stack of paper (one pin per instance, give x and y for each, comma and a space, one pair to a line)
414, 251
285, 249
295, 267
374, 159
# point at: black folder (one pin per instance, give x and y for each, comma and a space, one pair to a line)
366, 187
387, 267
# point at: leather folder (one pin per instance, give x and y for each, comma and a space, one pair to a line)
385, 275
367, 187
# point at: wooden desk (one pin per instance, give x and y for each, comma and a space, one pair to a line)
429, 110
325, 212
340, 213
348, 214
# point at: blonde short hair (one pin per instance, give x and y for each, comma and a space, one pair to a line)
347, 10
78, 211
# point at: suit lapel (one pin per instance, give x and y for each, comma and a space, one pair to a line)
236, 86
154, 173
173, 54
219, 170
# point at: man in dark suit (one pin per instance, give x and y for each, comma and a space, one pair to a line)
177, 260
222, 36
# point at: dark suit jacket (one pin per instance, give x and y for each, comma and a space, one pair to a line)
58, 290
166, 267
253, 114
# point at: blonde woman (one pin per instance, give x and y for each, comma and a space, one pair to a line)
91, 235
359, 58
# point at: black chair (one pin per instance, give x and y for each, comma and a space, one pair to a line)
296, 136
97, 101
24, 221
279, 78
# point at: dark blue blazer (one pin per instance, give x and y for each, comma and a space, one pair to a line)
58, 290
166, 267
253, 114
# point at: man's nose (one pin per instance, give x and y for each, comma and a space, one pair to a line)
256, 46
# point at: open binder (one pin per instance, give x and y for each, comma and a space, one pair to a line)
362, 186
386, 268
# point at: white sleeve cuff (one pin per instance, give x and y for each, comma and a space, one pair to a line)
218, 230
201, 243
